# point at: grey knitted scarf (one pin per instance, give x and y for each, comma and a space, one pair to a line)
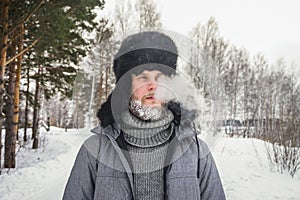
142, 133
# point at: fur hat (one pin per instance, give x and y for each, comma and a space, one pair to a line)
145, 48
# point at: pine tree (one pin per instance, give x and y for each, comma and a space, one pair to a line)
61, 26
52, 32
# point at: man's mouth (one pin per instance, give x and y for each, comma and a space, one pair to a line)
150, 98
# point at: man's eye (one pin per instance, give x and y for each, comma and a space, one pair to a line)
142, 78
159, 77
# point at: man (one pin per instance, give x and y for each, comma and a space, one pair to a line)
145, 148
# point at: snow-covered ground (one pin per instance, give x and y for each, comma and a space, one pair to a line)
243, 165
246, 173
42, 173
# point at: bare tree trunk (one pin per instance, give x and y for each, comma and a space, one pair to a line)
35, 127
90, 113
48, 122
1, 147
26, 107
106, 82
18, 79
236, 91
3, 53
10, 130
100, 88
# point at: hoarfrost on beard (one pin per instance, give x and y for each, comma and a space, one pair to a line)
145, 112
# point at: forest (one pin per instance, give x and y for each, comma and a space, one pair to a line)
48, 45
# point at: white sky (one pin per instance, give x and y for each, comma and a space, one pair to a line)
271, 27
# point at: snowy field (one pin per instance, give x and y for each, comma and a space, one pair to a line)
243, 165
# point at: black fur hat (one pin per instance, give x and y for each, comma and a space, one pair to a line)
143, 48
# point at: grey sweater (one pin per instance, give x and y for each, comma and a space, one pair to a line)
148, 173
147, 144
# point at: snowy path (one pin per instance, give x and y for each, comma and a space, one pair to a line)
46, 177
64, 163
242, 163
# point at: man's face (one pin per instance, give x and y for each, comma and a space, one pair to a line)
144, 86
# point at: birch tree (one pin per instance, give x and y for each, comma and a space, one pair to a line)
148, 15
124, 16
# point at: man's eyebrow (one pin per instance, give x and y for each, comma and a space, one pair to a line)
142, 74
159, 74
145, 74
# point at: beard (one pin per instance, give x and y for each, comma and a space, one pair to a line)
146, 113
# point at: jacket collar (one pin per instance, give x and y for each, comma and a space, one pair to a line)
114, 131
110, 130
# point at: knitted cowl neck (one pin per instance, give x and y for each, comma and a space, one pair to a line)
150, 133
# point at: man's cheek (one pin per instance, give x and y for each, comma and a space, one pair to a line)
140, 93
136, 96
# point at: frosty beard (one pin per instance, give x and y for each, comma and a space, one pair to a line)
144, 112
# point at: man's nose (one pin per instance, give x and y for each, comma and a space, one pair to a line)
152, 85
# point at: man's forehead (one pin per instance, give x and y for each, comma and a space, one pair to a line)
152, 69
151, 72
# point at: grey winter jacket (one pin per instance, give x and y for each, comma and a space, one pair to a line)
101, 170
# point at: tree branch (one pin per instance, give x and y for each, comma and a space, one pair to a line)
26, 18
22, 52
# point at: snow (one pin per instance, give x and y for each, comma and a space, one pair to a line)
243, 166
42, 173
246, 173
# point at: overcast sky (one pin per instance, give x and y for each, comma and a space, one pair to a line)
271, 27
268, 26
